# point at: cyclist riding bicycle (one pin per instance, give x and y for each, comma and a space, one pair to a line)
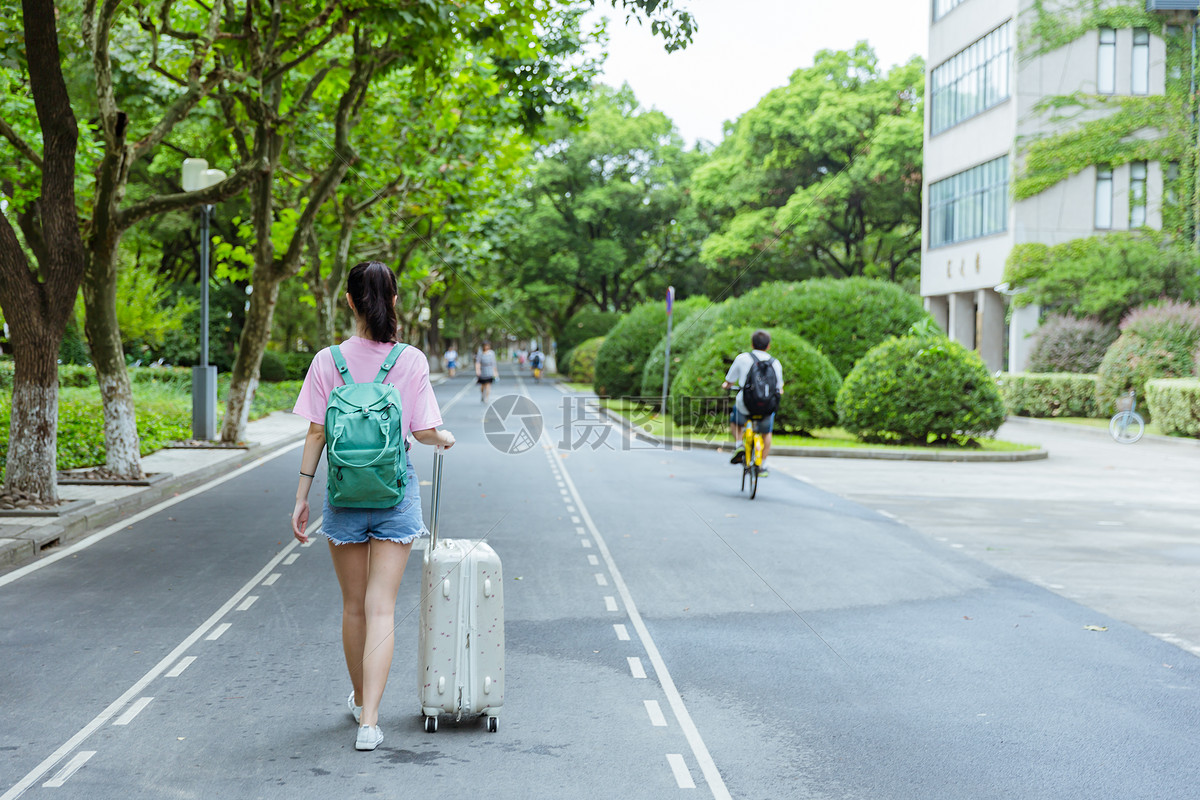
745, 371
536, 359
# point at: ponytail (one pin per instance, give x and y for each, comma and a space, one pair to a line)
372, 288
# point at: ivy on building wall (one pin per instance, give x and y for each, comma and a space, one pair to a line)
1130, 128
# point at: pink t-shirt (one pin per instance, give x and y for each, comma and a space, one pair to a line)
410, 375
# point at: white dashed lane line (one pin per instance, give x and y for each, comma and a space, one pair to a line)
622, 633
635, 667
133, 711
249, 601
610, 603
655, 713
217, 633
679, 768
183, 664
270, 581
70, 769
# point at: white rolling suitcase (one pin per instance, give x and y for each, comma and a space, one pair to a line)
460, 666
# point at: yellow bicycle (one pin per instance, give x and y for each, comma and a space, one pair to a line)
752, 462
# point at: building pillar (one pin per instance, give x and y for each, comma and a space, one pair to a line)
989, 328
1024, 322
962, 319
938, 307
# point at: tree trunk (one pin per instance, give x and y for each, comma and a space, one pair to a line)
122, 447
37, 303
244, 379
32, 449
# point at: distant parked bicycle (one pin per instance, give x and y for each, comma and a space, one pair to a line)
1127, 426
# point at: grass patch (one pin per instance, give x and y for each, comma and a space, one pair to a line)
1102, 423
164, 415
649, 420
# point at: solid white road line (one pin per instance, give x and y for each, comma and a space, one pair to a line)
216, 634
656, 715
141, 515
133, 711
683, 776
133, 691
70, 769
183, 664
249, 601
635, 667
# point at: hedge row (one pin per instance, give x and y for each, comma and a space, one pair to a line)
1175, 404
1049, 394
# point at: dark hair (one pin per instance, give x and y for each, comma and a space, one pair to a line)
372, 288
761, 340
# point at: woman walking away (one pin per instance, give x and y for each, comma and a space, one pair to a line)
369, 545
485, 371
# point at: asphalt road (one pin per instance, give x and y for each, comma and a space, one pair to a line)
663, 633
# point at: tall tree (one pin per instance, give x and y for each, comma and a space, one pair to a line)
178, 82
38, 296
822, 177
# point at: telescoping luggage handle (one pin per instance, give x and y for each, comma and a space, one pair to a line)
435, 499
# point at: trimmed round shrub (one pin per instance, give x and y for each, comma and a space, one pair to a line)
1157, 341
272, 369
843, 318
810, 383
909, 389
583, 325
625, 350
1067, 344
583, 360
692, 325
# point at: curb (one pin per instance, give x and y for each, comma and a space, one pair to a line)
26, 545
837, 452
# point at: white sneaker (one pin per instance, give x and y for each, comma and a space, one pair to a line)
369, 737
355, 710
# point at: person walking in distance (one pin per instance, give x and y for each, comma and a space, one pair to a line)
369, 546
485, 371
752, 373
451, 361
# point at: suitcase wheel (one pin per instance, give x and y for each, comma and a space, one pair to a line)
493, 724
431, 724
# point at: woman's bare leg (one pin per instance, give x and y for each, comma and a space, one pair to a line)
386, 568
350, 562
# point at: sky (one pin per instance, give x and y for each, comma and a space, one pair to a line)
745, 48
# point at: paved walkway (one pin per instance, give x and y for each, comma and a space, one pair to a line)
1114, 527
22, 538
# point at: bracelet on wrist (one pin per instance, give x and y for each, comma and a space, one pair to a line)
306, 475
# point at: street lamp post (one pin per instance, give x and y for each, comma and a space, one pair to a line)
197, 176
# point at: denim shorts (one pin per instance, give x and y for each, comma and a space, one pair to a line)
764, 425
402, 524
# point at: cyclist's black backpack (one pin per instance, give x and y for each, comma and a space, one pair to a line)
760, 390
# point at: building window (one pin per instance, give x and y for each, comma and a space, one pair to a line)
1106, 64
1171, 182
971, 81
970, 204
1137, 194
943, 7
1140, 77
1104, 198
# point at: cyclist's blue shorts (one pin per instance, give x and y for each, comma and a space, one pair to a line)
764, 425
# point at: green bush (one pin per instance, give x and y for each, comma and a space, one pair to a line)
626, 347
1175, 404
295, 365
271, 369
583, 360
583, 325
1067, 344
810, 383
1157, 341
73, 376
911, 389
843, 318
1049, 394
691, 326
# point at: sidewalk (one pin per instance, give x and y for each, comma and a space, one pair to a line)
171, 470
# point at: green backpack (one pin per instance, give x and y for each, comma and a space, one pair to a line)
368, 467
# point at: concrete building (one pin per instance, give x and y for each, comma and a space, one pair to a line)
982, 95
